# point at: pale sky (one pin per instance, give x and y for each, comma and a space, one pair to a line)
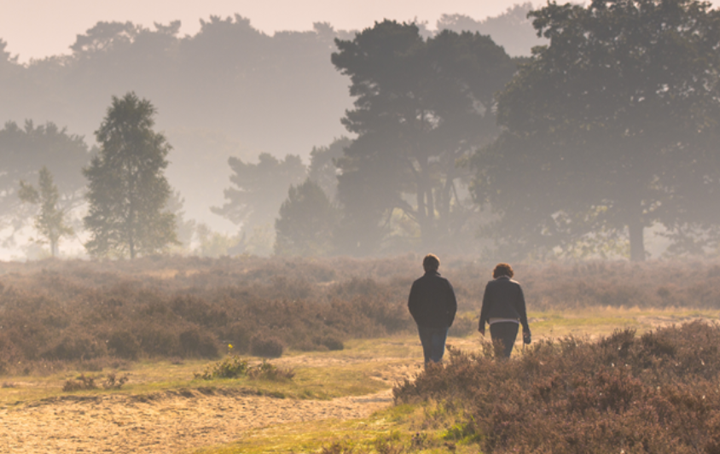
39, 28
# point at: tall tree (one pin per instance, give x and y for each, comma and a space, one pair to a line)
599, 121
306, 222
50, 221
127, 191
259, 189
421, 107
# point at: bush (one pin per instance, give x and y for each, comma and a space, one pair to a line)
235, 368
266, 346
655, 393
332, 343
82, 383
228, 368
123, 345
77, 347
194, 343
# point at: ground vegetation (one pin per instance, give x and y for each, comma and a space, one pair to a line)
650, 393
55, 312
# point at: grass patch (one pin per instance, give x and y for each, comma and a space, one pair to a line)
395, 430
356, 370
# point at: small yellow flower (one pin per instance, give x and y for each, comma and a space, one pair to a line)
229, 345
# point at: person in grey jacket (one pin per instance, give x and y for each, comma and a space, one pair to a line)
503, 308
432, 305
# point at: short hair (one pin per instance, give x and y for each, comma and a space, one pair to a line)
431, 262
503, 269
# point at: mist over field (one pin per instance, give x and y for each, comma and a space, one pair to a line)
225, 226
562, 131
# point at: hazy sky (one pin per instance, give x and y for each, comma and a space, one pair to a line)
38, 28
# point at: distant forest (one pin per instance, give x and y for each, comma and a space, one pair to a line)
568, 131
229, 90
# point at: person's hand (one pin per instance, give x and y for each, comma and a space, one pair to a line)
526, 337
482, 330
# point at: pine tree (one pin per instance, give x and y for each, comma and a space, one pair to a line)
127, 190
306, 222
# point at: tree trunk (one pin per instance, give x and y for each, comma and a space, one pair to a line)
637, 246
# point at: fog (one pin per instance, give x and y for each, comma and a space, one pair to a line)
240, 106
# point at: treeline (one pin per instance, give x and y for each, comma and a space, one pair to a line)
229, 90
607, 130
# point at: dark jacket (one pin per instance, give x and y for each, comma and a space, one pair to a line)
503, 299
432, 301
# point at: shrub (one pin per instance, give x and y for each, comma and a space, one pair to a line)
194, 343
80, 384
332, 343
114, 382
123, 345
266, 346
77, 347
656, 393
228, 368
235, 367
267, 371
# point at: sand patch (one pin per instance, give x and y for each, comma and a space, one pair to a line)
168, 422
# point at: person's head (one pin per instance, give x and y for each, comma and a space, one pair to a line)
503, 269
431, 263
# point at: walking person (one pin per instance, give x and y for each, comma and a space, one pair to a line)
503, 308
432, 305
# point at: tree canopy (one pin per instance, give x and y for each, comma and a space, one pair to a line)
258, 190
127, 191
607, 129
305, 222
23, 150
422, 105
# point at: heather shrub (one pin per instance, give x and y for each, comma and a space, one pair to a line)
123, 344
653, 393
332, 343
195, 343
81, 383
267, 371
173, 307
114, 382
78, 346
266, 346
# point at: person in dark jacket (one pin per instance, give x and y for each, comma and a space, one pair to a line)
432, 305
503, 308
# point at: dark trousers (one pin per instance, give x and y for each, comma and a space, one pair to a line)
505, 333
433, 343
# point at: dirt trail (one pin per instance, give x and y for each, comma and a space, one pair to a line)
168, 422
174, 421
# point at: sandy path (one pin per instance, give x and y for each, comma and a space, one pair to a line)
167, 422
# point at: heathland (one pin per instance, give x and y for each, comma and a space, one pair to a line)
299, 355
